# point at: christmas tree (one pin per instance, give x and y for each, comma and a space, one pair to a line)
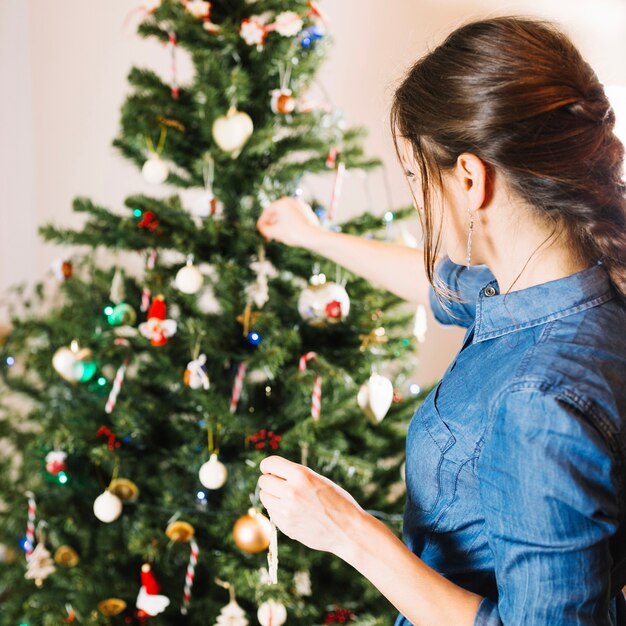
140, 402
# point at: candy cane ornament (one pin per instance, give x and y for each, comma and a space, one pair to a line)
30, 524
237, 387
316, 396
190, 575
172, 45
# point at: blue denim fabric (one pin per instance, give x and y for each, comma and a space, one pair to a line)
515, 468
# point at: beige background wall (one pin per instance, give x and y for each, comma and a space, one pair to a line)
63, 78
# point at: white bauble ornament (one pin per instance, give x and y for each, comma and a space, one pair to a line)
232, 131
323, 302
213, 473
107, 507
155, 170
272, 613
73, 363
375, 397
189, 278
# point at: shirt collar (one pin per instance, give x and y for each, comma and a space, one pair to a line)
498, 315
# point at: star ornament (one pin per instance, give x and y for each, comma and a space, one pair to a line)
248, 318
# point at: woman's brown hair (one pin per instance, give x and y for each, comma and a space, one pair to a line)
517, 93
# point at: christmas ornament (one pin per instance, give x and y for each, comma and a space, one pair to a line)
253, 31
117, 386
126, 490
232, 131
252, 532
323, 302
287, 24
195, 375
155, 170
66, 556
237, 387
258, 292
40, 563
375, 397
375, 338
282, 101
231, 614
206, 204
111, 607
264, 438
336, 192
117, 293
213, 473
62, 269
310, 35
316, 395
189, 279
107, 507
302, 582
55, 462
157, 328
30, 524
122, 314
149, 601
340, 616
272, 613
190, 575
272, 555
172, 43
198, 8
180, 531
73, 364
248, 318
112, 442
149, 221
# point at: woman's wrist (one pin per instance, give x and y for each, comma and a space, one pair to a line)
357, 533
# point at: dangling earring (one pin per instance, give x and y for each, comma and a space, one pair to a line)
469, 240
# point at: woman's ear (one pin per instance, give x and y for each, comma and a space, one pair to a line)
473, 177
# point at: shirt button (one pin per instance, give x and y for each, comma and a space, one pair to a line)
490, 291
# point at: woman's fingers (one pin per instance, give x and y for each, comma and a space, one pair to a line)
274, 486
279, 466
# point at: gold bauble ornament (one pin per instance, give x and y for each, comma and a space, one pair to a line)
124, 489
111, 606
180, 532
252, 532
66, 556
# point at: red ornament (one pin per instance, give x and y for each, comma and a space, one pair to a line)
333, 310
157, 309
55, 462
149, 602
264, 438
397, 396
148, 220
157, 328
340, 616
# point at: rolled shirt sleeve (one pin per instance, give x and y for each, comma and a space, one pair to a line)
546, 488
466, 283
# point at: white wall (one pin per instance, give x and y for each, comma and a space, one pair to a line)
63, 77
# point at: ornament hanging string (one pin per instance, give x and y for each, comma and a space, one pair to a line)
237, 387
30, 524
161, 144
333, 161
272, 555
316, 396
190, 575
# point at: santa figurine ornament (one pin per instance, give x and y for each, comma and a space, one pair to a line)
149, 602
157, 328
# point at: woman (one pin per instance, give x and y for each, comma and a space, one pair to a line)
515, 464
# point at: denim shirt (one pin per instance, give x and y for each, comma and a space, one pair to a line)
515, 461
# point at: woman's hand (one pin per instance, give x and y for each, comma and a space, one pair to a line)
308, 507
290, 221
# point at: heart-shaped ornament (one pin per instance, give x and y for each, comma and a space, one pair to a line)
73, 364
232, 131
375, 397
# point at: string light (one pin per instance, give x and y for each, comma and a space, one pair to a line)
388, 217
108, 310
10, 361
62, 477
201, 495
137, 213
415, 389
102, 381
254, 338
26, 545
